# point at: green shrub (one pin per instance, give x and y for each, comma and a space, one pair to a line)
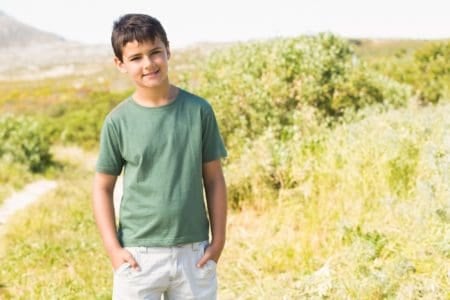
433, 71
362, 88
79, 123
24, 142
426, 70
260, 85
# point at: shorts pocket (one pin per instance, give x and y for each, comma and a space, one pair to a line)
203, 246
209, 268
125, 268
122, 268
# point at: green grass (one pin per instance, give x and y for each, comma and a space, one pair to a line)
12, 178
370, 219
51, 250
366, 219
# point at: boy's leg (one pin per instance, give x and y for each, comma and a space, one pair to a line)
148, 283
188, 281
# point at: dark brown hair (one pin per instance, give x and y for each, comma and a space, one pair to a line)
136, 27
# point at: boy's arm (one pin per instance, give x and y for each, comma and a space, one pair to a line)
103, 206
216, 199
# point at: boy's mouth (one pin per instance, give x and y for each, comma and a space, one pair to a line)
151, 74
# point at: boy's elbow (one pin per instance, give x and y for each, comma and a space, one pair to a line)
104, 183
212, 173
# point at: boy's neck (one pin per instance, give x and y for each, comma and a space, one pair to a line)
160, 96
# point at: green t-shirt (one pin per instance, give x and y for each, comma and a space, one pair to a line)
161, 150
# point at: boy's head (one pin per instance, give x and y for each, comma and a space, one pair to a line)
136, 27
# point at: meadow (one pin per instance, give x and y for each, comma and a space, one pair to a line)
338, 172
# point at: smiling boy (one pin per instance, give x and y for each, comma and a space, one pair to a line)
167, 142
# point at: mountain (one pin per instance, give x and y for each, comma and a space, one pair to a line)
17, 34
29, 53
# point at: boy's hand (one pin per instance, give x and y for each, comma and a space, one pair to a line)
212, 252
121, 256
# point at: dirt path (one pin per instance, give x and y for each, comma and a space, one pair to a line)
35, 190
26, 196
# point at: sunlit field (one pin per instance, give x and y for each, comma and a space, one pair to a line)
338, 175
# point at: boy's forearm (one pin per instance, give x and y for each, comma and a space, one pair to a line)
217, 208
104, 216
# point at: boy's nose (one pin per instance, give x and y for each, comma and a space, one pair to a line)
147, 62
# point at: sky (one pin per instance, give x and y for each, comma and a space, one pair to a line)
191, 21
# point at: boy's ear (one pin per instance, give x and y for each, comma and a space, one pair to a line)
168, 52
119, 64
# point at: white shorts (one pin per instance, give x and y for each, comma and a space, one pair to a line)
166, 271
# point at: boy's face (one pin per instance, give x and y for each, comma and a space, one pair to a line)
146, 63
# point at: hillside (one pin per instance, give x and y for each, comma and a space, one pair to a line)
30, 53
14, 33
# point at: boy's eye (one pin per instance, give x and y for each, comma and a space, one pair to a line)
134, 58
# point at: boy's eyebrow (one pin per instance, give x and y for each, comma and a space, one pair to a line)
133, 55
138, 54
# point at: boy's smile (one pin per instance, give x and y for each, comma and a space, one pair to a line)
145, 63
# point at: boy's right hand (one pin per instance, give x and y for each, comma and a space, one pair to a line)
121, 256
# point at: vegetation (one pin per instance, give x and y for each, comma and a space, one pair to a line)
278, 84
24, 152
427, 70
54, 245
332, 166
24, 142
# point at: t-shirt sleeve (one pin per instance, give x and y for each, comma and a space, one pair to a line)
110, 159
213, 146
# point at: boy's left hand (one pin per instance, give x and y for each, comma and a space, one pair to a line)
212, 252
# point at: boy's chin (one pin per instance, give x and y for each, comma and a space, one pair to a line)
154, 84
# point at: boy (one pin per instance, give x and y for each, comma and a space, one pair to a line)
168, 143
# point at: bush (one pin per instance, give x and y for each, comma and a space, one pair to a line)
433, 72
80, 122
427, 71
24, 142
260, 85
